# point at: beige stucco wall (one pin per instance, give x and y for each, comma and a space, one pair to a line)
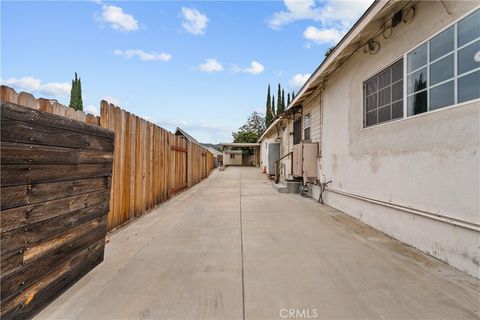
232, 162
429, 162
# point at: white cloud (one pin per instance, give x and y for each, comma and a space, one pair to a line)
33, 85
343, 13
299, 80
92, 109
194, 21
254, 68
118, 19
211, 65
319, 36
144, 56
335, 17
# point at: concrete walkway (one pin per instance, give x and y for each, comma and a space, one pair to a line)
233, 248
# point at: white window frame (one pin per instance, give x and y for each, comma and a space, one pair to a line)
429, 63
405, 76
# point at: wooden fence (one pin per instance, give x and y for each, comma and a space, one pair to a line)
150, 164
55, 191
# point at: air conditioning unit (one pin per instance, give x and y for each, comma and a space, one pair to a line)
305, 158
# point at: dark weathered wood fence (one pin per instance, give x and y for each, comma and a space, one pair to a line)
55, 191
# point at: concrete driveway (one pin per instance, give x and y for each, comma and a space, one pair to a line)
232, 247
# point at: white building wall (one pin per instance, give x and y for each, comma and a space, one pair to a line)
428, 164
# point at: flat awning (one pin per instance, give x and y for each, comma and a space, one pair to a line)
241, 145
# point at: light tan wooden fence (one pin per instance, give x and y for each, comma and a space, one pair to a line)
150, 164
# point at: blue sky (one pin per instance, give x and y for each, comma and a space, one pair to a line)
204, 66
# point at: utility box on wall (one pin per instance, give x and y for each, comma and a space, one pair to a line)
305, 155
273, 155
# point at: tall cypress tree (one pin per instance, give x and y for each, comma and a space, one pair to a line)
79, 93
283, 101
76, 101
273, 106
268, 113
279, 100
288, 99
72, 94
293, 95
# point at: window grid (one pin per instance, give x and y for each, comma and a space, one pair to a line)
455, 76
404, 61
377, 91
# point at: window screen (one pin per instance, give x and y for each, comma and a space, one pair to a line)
383, 95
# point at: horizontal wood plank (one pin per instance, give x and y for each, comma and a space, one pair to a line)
19, 153
181, 149
27, 174
22, 195
22, 216
16, 112
25, 276
21, 238
34, 133
29, 302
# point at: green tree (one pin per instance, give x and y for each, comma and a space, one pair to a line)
329, 51
268, 113
283, 101
279, 100
293, 95
251, 130
288, 99
76, 101
273, 106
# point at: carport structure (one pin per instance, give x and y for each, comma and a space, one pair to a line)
255, 161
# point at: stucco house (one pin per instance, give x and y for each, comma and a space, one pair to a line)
391, 118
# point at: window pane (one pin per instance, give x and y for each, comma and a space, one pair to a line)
417, 58
469, 87
441, 70
397, 91
371, 102
385, 78
466, 58
371, 118
397, 71
442, 44
397, 110
469, 28
371, 86
306, 134
417, 103
442, 96
384, 114
384, 96
417, 81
